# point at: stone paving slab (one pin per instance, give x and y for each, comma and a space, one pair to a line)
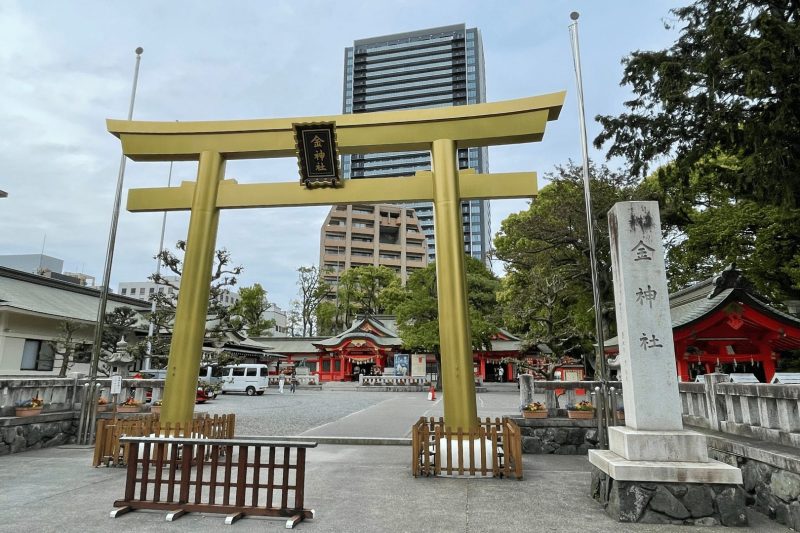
352, 488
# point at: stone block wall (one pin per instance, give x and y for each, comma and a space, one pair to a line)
559, 436
773, 491
670, 503
34, 432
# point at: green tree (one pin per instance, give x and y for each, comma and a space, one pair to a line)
248, 312
68, 346
295, 318
727, 86
365, 290
547, 292
218, 318
326, 318
710, 228
313, 290
418, 312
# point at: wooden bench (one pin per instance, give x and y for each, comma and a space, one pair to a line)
227, 476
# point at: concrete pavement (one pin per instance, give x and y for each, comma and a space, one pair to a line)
352, 488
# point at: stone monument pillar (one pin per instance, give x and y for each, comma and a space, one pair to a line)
652, 449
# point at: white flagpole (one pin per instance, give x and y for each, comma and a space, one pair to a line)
87, 410
590, 224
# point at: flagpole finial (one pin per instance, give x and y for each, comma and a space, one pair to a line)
139, 51
574, 15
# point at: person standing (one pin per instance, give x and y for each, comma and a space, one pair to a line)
281, 381
293, 382
500, 374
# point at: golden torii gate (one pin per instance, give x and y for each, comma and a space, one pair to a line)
440, 130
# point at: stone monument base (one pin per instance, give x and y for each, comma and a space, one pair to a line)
698, 504
665, 477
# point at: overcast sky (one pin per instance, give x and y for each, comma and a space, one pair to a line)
67, 66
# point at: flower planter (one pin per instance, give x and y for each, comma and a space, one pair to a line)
102, 407
28, 411
581, 414
534, 414
619, 417
155, 409
128, 408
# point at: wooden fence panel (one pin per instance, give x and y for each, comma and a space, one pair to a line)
110, 450
499, 449
216, 476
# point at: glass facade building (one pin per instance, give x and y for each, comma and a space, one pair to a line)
437, 67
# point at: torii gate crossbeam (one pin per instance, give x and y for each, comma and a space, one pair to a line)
441, 130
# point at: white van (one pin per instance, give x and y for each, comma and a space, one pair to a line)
212, 374
251, 379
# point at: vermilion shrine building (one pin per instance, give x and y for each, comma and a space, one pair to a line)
369, 346
719, 324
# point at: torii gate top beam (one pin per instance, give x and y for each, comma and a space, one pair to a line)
497, 123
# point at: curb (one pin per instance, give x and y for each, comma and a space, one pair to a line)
356, 441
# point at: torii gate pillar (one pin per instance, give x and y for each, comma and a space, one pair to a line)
455, 338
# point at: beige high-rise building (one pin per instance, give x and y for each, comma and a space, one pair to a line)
379, 235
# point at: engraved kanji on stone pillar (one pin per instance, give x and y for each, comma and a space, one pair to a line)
644, 326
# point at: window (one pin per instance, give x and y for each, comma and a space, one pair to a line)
326, 365
152, 290
141, 290
37, 355
124, 291
238, 372
252, 372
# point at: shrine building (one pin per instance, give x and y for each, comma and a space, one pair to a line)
719, 324
370, 345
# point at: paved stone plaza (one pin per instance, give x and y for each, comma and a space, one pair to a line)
330, 413
352, 488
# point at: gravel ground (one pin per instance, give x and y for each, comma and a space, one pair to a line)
274, 414
289, 414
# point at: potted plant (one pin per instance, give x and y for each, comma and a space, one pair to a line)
155, 407
131, 405
582, 409
102, 404
29, 407
534, 410
620, 414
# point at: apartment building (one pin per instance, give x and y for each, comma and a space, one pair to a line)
380, 235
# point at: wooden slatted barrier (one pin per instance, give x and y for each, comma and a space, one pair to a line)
226, 476
494, 449
109, 450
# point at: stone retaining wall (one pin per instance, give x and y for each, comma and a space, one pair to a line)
19, 434
773, 491
559, 436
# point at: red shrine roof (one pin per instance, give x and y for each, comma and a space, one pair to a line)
723, 309
367, 330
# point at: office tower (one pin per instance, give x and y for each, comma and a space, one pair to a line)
379, 235
437, 67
